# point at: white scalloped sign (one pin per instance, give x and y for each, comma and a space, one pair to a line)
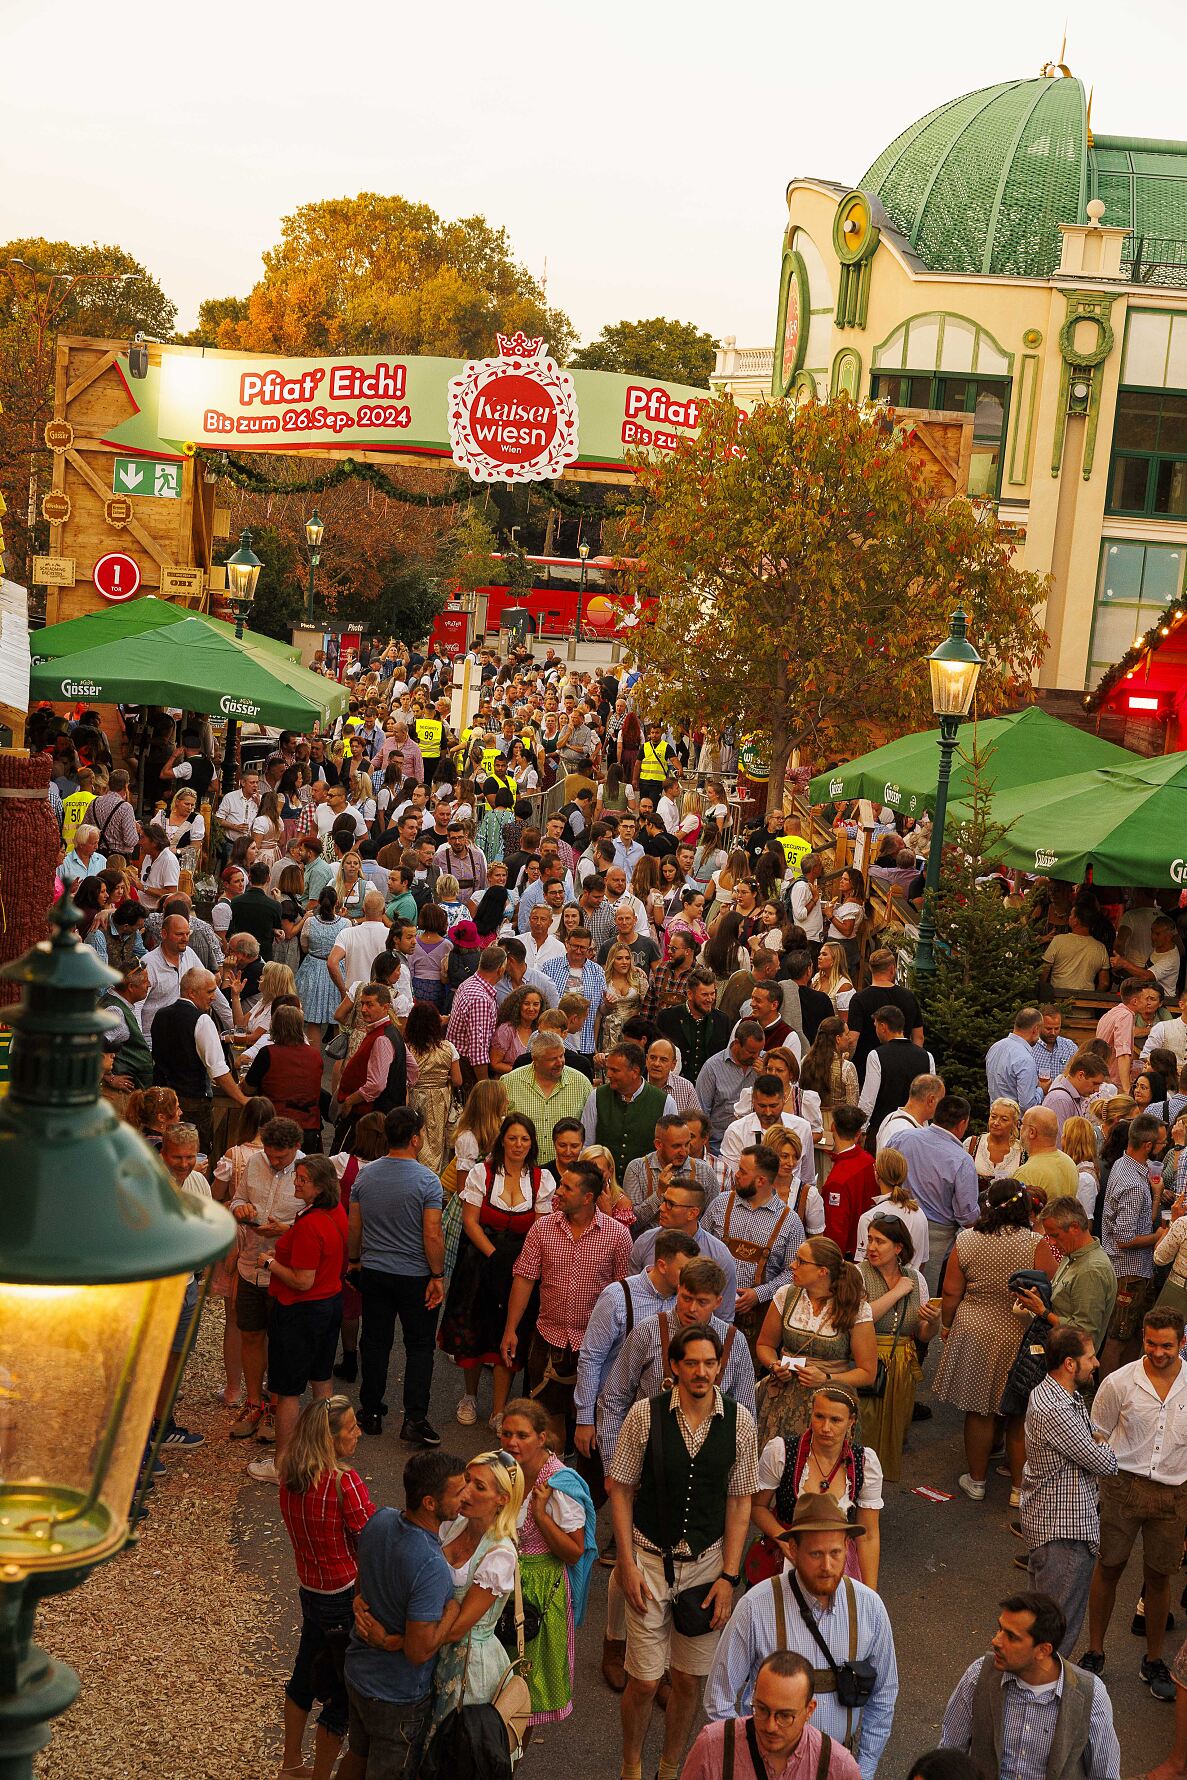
513, 418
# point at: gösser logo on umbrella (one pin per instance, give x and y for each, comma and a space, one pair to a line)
116, 575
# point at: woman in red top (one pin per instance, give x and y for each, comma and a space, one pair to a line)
325, 1505
306, 1269
368, 1142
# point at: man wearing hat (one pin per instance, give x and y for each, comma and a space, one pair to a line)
813, 1607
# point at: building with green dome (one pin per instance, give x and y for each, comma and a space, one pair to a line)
1003, 261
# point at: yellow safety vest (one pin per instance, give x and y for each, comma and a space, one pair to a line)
489, 756
794, 848
428, 735
654, 766
74, 813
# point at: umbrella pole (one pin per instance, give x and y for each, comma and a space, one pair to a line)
230, 748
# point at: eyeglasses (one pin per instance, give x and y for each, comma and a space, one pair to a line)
677, 1204
782, 1721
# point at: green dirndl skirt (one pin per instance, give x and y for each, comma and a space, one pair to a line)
545, 1583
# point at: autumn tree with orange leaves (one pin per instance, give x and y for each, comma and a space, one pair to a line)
801, 573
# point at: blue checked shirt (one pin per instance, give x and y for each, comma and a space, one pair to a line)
605, 1333
1063, 1462
751, 1635
1128, 1212
639, 1372
1028, 1726
593, 987
1052, 1059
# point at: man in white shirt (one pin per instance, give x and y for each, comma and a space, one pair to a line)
806, 901
667, 809
188, 1055
357, 948
766, 1109
166, 966
926, 1093
1170, 1035
1141, 1410
540, 942
335, 806
160, 870
239, 809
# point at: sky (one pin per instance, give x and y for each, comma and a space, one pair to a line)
640, 149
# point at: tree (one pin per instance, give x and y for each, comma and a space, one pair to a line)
799, 574
672, 351
466, 556
280, 595
215, 313
378, 274
49, 288
987, 954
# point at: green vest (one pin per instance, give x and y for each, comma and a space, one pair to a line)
694, 1489
134, 1058
627, 1128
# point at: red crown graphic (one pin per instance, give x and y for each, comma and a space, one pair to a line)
519, 345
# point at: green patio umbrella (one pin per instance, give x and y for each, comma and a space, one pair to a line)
130, 618
198, 664
1128, 823
1029, 747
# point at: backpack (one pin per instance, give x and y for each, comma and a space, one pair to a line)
460, 965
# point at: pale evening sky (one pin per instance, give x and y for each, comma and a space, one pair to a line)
642, 147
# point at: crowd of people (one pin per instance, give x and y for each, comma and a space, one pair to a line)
534, 1042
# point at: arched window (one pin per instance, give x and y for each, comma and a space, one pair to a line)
846, 373
947, 362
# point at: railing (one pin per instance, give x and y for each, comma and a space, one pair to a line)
743, 361
1149, 259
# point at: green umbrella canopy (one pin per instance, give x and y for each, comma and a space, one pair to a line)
1128, 823
1028, 747
199, 665
129, 618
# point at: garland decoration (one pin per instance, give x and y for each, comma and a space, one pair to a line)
254, 481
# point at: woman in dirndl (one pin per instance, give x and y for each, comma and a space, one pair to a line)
557, 1548
828, 1459
818, 1330
501, 1200
903, 1314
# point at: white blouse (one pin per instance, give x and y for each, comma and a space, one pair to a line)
772, 1463
565, 1510
496, 1567
474, 1191
804, 1317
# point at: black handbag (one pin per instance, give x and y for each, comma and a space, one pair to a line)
878, 1388
691, 1618
855, 1681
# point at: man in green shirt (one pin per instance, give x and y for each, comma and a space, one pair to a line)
318, 871
1047, 1169
1084, 1289
546, 1090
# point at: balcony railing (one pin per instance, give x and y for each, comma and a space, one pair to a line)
743, 361
1149, 259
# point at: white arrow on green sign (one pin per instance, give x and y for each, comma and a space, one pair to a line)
147, 476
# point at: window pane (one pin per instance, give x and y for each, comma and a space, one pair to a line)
892, 352
955, 395
989, 360
1136, 427
886, 389
956, 354
1114, 631
989, 414
1172, 436
918, 392
1170, 487
1146, 339
1121, 571
923, 342
1176, 370
1128, 493
983, 471
1161, 575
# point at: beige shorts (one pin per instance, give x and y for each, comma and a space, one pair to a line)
652, 1642
1130, 1506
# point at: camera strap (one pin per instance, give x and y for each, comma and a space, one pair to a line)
814, 1631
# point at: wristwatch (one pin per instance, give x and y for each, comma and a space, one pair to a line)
732, 1580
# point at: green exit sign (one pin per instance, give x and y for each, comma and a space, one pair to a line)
147, 476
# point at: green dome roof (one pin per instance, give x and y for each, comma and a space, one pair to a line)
982, 183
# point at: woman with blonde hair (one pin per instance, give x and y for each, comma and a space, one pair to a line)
275, 980
626, 987
645, 886
151, 1111
611, 1200
894, 1197
1078, 1140
818, 1330
803, 1199
832, 977
185, 827
481, 1548
325, 1505
230, 1173
351, 886
997, 1153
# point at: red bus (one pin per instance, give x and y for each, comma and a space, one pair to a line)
552, 601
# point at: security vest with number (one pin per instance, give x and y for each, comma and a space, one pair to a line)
428, 736
794, 847
74, 813
654, 766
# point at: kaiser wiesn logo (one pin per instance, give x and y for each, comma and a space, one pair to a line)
513, 418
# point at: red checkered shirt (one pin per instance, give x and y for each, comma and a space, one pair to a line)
668, 987
306, 822
572, 1271
324, 1523
473, 1020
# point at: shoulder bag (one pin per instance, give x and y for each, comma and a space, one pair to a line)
881, 1376
854, 1681
512, 1701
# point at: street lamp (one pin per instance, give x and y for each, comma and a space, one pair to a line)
314, 530
243, 571
583, 553
96, 1248
954, 668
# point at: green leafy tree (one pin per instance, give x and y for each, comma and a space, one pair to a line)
672, 351
215, 313
279, 601
987, 954
800, 573
466, 557
378, 274
49, 288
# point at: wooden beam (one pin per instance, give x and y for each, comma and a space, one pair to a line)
133, 526
88, 377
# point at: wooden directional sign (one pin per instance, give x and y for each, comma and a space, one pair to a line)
55, 507
177, 583
59, 435
117, 510
53, 571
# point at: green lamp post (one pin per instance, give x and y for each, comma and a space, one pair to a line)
243, 572
955, 667
96, 1247
315, 527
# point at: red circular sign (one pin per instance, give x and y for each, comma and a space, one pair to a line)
117, 576
513, 419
